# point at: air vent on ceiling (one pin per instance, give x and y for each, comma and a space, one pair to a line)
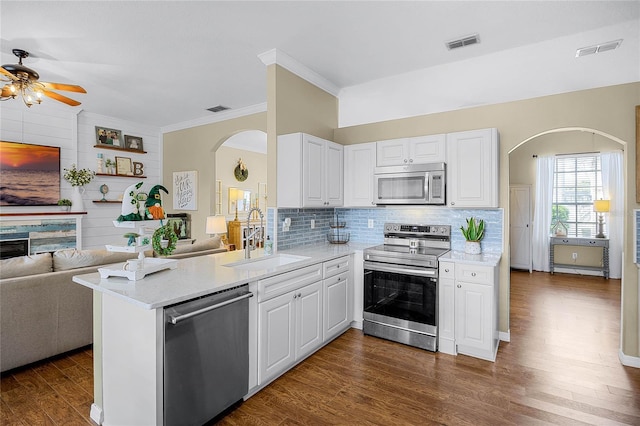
598, 48
464, 41
218, 108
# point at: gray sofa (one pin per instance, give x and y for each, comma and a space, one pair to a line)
44, 313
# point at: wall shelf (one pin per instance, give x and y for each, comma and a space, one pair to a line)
107, 201
122, 176
115, 148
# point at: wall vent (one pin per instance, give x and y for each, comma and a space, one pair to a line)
218, 108
598, 48
462, 42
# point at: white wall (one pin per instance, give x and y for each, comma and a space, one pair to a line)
74, 132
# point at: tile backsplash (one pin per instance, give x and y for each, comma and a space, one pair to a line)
357, 224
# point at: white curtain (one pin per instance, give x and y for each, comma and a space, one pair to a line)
613, 189
542, 213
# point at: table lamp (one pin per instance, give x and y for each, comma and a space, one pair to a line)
601, 207
216, 225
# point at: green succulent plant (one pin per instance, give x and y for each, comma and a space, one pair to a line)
474, 230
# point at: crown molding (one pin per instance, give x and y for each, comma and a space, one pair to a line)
275, 56
217, 117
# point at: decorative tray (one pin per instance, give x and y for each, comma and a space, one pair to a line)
151, 265
128, 249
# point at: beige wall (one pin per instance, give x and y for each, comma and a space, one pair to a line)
610, 110
195, 149
295, 105
226, 161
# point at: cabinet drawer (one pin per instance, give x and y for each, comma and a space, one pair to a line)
593, 242
446, 270
474, 273
335, 266
289, 281
336, 279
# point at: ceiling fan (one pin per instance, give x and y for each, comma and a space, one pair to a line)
23, 81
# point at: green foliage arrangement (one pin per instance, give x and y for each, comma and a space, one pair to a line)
78, 177
64, 202
474, 230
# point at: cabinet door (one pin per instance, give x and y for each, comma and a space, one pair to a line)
276, 339
473, 317
334, 173
336, 315
393, 152
308, 319
472, 168
359, 166
427, 149
313, 171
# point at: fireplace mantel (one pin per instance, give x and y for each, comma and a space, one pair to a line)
45, 231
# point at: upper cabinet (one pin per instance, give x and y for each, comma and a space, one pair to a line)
310, 171
417, 150
472, 168
359, 166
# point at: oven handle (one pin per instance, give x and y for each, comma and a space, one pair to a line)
406, 270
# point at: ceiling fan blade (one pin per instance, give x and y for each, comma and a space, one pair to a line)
66, 87
8, 74
61, 98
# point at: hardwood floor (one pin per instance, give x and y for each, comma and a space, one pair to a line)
561, 367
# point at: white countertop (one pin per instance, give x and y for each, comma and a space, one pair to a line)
486, 259
203, 275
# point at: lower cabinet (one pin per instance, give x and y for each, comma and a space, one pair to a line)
468, 310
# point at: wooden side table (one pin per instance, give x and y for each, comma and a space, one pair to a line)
580, 242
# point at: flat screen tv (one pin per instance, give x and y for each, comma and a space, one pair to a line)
29, 174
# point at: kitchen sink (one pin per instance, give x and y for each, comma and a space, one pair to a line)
266, 262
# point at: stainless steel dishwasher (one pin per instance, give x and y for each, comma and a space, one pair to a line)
206, 356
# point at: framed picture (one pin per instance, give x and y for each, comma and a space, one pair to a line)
110, 137
124, 166
133, 142
185, 190
181, 224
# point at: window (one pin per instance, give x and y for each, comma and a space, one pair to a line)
577, 182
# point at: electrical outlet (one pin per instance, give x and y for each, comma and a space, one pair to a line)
370, 223
313, 223
574, 256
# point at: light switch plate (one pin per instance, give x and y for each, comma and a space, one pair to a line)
370, 223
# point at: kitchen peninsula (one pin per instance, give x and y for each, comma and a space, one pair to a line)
309, 291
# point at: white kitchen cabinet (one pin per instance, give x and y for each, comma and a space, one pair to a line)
290, 329
446, 308
359, 166
473, 168
337, 293
476, 311
310, 172
416, 150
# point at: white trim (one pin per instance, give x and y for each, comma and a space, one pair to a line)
505, 336
629, 361
96, 413
275, 56
220, 116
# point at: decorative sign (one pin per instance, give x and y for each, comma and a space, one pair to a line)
185, 190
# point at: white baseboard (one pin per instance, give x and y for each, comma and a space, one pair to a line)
629, 361
504, 336
96, 414
356, 324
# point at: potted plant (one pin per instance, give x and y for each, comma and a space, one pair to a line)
64, 204
473, 233
78, 178
109, 164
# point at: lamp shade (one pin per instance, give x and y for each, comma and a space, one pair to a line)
601, 206
216, 225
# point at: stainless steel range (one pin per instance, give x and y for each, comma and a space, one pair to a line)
401, 284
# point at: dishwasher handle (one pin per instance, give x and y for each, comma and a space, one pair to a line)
174, 319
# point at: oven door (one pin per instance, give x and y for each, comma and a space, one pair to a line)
402, 301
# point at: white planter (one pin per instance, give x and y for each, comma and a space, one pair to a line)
472, 247
76, 199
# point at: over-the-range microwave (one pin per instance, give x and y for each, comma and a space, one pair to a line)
410, 184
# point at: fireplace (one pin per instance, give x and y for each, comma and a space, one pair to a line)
14, 248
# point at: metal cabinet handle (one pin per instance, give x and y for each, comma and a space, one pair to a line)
411, 160
453, 203
459, 286
446, 270
473, 274
405, 160
299, 294
178, 318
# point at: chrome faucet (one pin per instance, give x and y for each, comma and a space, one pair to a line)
248, 247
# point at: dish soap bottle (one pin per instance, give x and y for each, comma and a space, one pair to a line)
268, 246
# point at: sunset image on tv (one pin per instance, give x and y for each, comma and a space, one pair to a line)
29, 174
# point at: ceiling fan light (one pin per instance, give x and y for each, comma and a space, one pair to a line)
12, 87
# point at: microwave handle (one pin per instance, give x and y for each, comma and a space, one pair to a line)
426, 186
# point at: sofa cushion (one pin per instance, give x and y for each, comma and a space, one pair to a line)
25, 265
208, 244
64, 260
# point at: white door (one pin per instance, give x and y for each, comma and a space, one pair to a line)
359, 166
334, 174
393, 152
313, 169
308, 319
336, 315
473, 316
520, 226
427, 149
277, 338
